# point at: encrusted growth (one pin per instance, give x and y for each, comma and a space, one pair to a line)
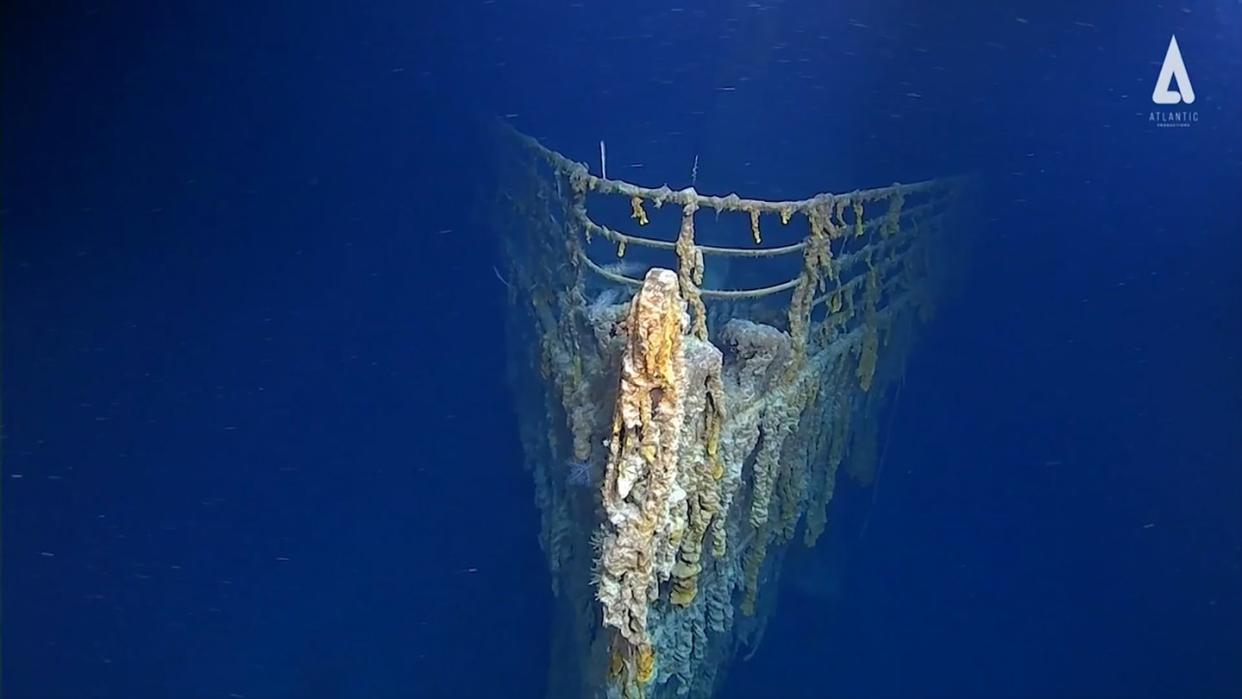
640, 480
636, 210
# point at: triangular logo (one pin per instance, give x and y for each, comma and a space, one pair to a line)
1173, 67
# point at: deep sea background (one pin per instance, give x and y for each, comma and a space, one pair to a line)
257, 440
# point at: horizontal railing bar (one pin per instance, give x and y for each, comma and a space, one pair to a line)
629, 239
731, 202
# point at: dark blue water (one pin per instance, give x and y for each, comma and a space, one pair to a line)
257, 437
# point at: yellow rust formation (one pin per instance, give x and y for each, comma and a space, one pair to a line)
690, 268
636, 210
640, 481
715, 416
661, 483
